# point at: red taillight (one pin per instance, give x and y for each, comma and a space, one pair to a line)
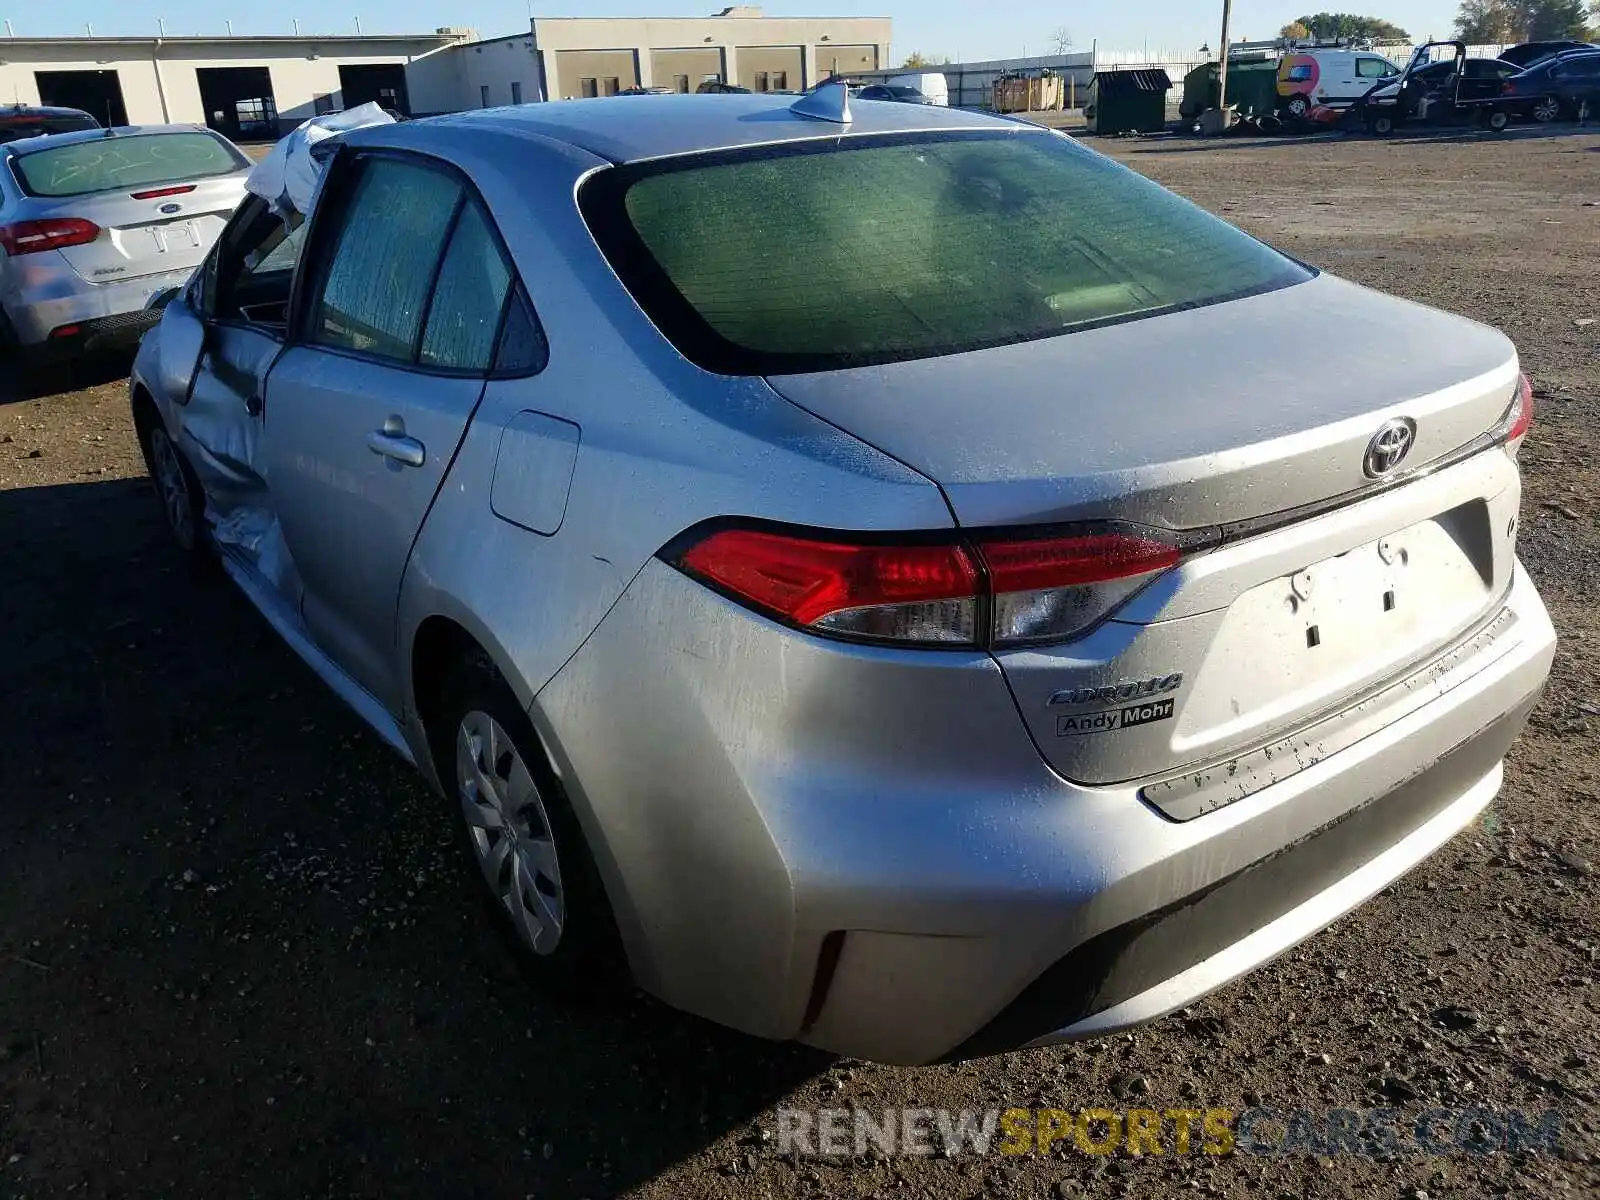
1073, 561
179, 190
1518, 420
999, 591
898, 593
30, 237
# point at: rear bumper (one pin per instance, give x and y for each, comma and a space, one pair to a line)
862, 848
54, 297
122, 331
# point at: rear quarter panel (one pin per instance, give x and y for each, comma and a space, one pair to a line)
661, 444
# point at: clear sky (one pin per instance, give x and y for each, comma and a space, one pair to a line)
959, 29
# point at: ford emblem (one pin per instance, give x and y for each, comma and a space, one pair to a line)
171, 208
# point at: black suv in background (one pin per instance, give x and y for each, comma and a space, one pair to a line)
18, 121
1529, 53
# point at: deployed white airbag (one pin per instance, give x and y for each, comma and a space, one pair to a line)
287, 177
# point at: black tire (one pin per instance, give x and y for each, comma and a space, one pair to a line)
1545, 109
1382, 125
177, 488
1498, 120
587, 960
1297, 108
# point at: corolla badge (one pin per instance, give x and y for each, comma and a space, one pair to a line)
1118, 693
171, 208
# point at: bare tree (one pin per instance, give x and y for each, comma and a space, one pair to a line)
1061, 39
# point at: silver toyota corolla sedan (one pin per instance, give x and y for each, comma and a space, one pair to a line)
894, 578
95, 222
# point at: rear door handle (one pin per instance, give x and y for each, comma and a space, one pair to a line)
406, 451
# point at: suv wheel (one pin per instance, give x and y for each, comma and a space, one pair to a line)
523, 844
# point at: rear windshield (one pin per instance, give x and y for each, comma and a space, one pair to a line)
113, 163
820, 255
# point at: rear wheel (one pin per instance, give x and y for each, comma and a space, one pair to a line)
1383, 124
1498, 120
523, 845
1546, 109
1298, 107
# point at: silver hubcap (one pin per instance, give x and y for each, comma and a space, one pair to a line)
510, 830
1545, 110
172, 486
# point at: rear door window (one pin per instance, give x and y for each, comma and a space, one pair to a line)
464, 316
116, 163
374, 293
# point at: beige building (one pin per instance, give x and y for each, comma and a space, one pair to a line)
569, 57
245, 87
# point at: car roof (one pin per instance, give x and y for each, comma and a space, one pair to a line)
42, 110
666, 126
52, 140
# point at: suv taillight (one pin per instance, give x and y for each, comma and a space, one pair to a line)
1518, 417
993, 590
30, 237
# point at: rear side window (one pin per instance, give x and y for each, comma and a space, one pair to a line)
821, 255
375, 292
117, 163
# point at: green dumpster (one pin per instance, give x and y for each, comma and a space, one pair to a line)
1127, 101
1252, 88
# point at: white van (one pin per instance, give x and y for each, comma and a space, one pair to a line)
931, 84
1309, 77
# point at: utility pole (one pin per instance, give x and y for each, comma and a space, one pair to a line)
1222, 70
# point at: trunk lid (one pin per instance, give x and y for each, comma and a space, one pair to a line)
1191, 419
1253, 421
168, 230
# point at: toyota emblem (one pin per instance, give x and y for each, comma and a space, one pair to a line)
1389, 447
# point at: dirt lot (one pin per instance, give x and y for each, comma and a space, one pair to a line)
237, 959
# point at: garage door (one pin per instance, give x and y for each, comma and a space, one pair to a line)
772, 68
581, 73
685, 70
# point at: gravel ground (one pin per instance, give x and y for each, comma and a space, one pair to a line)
238, 959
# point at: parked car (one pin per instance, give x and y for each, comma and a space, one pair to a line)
1453, 91
899, 93
646, 91
26, 121
95, 222
1559, 87
777, 624
932, 84
717, 87
1330, 78
1529, 53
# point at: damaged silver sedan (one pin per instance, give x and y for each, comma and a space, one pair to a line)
881, 575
